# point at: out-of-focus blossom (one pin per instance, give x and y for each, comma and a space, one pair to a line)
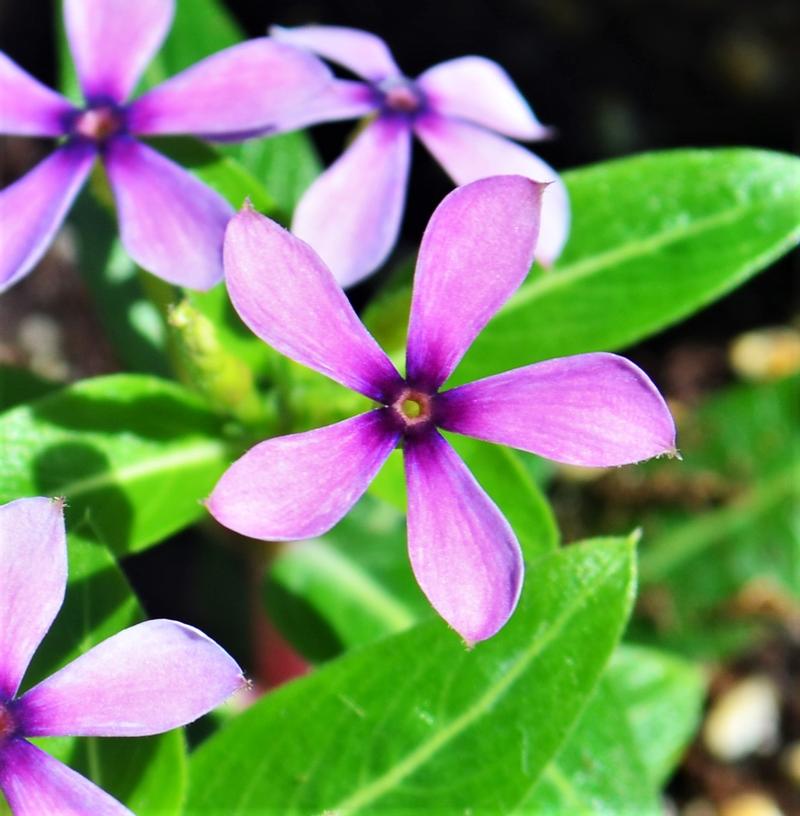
590, 409
170, 223
148, 679
461, 110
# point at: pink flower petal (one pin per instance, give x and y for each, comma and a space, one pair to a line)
34, 207
477, 249
112, 42
33, 577
340, 99
245, 88
351, 213
171, 224
299, 486
464, 554
147, 679
480, 91
595, 410
362, 53
28, 108
35, 784
284, 293
468, 152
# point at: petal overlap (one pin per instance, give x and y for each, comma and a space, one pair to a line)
247, 88
365, 54
476, 251
351, 214
28, 108
299, 486
34, 207
112, 42
147, 679
285, 294
468, 152
481, 91
33, 577
464, 554
170, 223
593, 410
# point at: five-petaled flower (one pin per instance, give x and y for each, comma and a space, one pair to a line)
590, 409
170, 223
145, 680
457, 109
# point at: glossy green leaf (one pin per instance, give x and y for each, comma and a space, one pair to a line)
660, 694
391, 727
641, 717
654, 238
136, 453
148, 774
598, 772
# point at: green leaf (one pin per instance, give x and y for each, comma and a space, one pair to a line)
598, 771
136, 453
350, 587
418, 709
20, 385
148, 774
288, 162
612, 763
654, 238
661, 694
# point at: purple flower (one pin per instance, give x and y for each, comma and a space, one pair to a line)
590, 409
171, 224
145, 680
457, 109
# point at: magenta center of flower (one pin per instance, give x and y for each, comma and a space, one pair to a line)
7, 724
98, 124
401, 96
413, 408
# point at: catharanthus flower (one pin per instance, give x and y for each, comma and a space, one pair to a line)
145, 680
590, 409
171, 224
457, 109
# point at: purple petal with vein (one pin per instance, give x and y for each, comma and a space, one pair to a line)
299, 486
479, 90
171, 224
594, 410
35, 784
340, 99
28, 108
112, 41
476, 250
463, 552
33, 577
351, 213
362, 53
147, 679
468, 152
245, 88
34, 207
286, 295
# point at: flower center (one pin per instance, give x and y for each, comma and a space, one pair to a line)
98, 123
7, 724
413, 408
401, 96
